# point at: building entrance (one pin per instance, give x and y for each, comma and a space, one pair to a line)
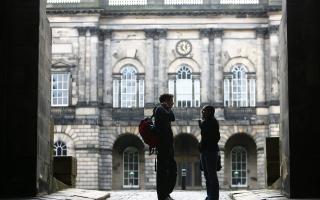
187, 158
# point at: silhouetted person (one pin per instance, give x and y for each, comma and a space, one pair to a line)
209, 149
166, 165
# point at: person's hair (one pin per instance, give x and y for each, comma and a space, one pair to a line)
211, 110
165, 97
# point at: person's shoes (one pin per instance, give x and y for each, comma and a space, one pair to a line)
169, 198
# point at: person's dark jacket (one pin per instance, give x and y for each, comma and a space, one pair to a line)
210, 135
163, 119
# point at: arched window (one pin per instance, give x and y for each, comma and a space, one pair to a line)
131, 89
239, 87
239, 167
60, 148
185, 87
130, 168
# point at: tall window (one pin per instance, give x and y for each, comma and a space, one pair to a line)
130, 89
239, 87
60, 89
60, 148
185, 88
239, 166
131, 167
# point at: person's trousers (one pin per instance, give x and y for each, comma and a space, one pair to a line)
166, 174
209, 166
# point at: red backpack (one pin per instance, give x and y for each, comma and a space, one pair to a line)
148, 134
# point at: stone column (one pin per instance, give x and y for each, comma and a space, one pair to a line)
107, 68
163, 75
260, 33
205, 70
82, 57
274, 44
149, 69
93, 64
87, 66
217, 68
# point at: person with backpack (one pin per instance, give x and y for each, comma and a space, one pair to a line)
166, 165
209, 151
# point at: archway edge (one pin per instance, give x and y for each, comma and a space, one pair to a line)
175, 64
128, 61
239, 60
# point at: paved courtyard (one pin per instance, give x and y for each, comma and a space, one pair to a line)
152, 195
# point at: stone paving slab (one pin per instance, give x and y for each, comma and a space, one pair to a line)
152, 195
74, 194
263, 194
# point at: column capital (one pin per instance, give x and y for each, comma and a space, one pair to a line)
93, 30
205, 32
82, 31
261, 32
104, 34
273, 29
150, 33
162, 33
216, 32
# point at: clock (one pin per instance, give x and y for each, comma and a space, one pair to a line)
183, 47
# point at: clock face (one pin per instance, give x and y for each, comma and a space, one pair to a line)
183, 47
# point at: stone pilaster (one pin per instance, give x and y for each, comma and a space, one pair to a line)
261, 168
163, 77
82, 54
205, 69
274, 52
107, 67
93, 64
87, 65
217, 81
149, 70
260, 35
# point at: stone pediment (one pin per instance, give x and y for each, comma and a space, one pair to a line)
62, 64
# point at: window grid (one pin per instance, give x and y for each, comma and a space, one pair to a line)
239, 95
239, 1
60, 89
131, 168
63, 1
187, 90
127, 2
252, 83
141, 93
226, 92
183, 2
128, 87
116, 93
196, 84
239, 167
60, 148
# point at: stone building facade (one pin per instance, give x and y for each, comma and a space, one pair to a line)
112, 59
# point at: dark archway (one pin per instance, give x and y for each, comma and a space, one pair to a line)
128, 163
187, 157
240, 171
